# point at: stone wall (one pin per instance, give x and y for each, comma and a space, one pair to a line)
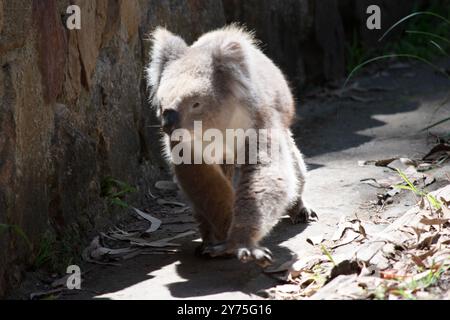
74, 110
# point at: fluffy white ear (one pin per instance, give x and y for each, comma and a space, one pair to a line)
231, 55
166, 47
230, 61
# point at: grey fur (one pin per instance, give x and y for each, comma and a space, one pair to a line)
236, 86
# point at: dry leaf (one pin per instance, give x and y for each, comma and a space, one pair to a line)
345, 267
43, 294
427, 254
164, 202
428, 241
442, 147
155, 223
433, 221
378, 163
166, 186
418, 261
164, 242
86, 255
315, 240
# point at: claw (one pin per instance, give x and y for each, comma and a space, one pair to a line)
303, 216
244, 255
262, 256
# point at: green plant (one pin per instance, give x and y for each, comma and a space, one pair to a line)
115, 191
394, 55
422, 36
356, 53
429, 280
17, 230
328, 254
45, 252
55, 252
421, 193
407, 289
319, 275
420, 33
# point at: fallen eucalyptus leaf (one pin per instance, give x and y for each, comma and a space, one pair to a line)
433, 221
164, 202
166, 186
155, 223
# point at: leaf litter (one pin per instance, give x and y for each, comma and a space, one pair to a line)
146, 234
409, 259
414, 171
109, 248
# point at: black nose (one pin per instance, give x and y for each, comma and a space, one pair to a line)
170, 119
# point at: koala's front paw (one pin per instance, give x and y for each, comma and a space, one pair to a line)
303, 215
262, 256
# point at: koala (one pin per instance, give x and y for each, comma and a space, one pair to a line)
225, 81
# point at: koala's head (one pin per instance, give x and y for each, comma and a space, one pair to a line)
202, 82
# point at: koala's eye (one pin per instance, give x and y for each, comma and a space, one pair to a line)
196, 105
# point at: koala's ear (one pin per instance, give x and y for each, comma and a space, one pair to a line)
166, 47
230, 55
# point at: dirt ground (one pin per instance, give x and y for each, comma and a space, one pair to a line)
379, 116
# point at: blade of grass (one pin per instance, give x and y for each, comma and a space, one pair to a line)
436, 124
394, 55
18, 231
328, 254
435, 202
434, 43
411, 16
399, 186
411, 187
410, 184
430, 34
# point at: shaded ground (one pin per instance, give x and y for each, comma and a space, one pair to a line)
379, 119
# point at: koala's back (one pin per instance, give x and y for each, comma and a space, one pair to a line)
270, 91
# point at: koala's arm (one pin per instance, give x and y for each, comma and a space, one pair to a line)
261, 200
210, 191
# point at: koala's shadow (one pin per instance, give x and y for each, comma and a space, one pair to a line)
207, 277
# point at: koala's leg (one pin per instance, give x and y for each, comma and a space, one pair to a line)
262, 198
264, 193
299, 212
212, 197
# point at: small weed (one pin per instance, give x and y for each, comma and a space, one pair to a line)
319, 275
380, 293
115, 191
425, 39
45, 251
405, 294
17, 230
427, 281
423, 194
356, 53
328, 254
55, 253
